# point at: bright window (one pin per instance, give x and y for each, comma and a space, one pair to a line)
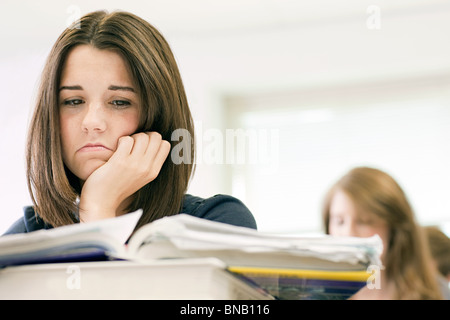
403, 130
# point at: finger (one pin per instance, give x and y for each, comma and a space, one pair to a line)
154, 143
159, 159
124, 146
141, 142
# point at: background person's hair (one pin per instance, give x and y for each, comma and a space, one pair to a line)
407, 257
440, 248
164, 108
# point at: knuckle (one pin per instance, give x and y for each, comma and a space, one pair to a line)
126, 139
140, 136
166, 146
155, 135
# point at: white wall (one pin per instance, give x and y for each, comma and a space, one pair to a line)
226, 49
316, 56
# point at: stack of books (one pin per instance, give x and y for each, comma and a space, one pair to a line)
290, 267
211, 260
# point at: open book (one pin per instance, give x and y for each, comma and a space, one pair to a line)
278, 263
94, 241
188, 236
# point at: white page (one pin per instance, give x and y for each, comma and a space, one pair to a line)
188, 233
114, 229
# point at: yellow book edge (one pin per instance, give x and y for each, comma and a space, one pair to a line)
360, 275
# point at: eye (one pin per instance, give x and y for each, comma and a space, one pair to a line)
364, 221
73, 102
337, 220
120, 103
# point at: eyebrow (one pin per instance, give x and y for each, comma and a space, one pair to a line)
111, 87
70, 88
115, 88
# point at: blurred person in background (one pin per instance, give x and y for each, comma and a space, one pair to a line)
440, 251
368, 201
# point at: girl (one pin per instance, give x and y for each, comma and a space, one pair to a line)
367, 201
110, 98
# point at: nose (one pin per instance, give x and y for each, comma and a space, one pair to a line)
94, 118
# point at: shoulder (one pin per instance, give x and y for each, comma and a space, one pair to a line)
28, 223
220, 208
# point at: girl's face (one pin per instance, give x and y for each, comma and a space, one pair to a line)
98, 104
345, 220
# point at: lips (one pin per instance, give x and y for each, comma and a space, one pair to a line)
92, 147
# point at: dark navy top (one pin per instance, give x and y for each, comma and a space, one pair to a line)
220, 208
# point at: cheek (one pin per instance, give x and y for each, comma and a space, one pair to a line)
366, 231
334, 229
120, 127
66, 135
337, 232
130, 126
127, 125
382, 231
384, 235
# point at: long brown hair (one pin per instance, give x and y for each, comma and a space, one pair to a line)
407, 258
53, 188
